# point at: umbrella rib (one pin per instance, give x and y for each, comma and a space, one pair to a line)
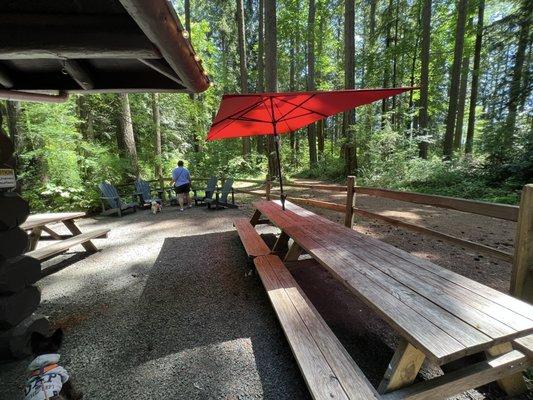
301, 106
233, 118
296, 116
249, 120
296, 106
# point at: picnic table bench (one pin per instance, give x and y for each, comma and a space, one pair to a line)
37, 223
440, 315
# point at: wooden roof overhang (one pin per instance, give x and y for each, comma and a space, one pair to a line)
50, 48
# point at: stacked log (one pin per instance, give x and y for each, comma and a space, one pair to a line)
19, 297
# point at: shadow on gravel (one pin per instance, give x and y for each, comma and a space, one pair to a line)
206, 330
64, 263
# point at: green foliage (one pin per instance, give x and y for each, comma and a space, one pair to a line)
65, 150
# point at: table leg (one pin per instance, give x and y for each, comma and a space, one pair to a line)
255, 218
513, 384
55, 235
294, 252
35, 236
71, 226
403, 368
281, 242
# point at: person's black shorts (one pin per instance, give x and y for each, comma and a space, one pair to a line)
183, 188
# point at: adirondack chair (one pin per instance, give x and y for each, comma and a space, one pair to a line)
209, 191
145, 193
221, 197
111, 198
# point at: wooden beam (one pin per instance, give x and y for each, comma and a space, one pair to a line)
160, 24
525, 345
316, 203
163, 69
350, 202
495, 210
403, 368
74, 42
464, 379
79, 74
522, 274
5, 78
294, 253
38, 97
333, 188
513, 384
508, 257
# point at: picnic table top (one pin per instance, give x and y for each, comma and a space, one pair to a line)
445, 315
39, 220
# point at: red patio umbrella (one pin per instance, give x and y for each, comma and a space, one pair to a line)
274, 113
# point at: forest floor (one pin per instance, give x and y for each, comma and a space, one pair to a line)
167, 308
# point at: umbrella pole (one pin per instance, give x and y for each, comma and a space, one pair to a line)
276, 143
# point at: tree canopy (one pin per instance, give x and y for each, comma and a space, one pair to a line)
467, 132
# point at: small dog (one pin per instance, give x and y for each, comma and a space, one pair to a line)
156, 207
48, 380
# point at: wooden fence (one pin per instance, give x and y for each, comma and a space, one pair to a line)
522, 259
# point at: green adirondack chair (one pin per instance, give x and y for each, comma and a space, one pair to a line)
209, 191
113, 201
221, 197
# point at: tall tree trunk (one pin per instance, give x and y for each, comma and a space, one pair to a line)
350, 145
395, 61
423, 114
292, 88
462, 8
311, 129
127, 137
261, 65
320, 50
12, 113
320, 138
241, 39
458, 137
187, 7
156, 116
475, 80
371, 40
271, 72
516, 88
86, 118
386, 73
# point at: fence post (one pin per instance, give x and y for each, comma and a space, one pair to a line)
268, 186
350, 201
522, 275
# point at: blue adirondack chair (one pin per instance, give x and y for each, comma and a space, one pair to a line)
209, 191
111, 198
146, 194
221, 197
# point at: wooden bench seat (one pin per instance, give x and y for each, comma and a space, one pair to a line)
253, 244
328, 370
62, 246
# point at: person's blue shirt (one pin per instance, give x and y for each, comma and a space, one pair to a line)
181, 176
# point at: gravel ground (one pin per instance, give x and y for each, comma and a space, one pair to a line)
167, 309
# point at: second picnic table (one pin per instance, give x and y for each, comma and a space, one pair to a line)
37, 223
440, 315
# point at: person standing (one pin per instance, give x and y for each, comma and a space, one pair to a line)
181, 181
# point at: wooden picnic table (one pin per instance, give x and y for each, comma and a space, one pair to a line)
37, 223
441, 315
